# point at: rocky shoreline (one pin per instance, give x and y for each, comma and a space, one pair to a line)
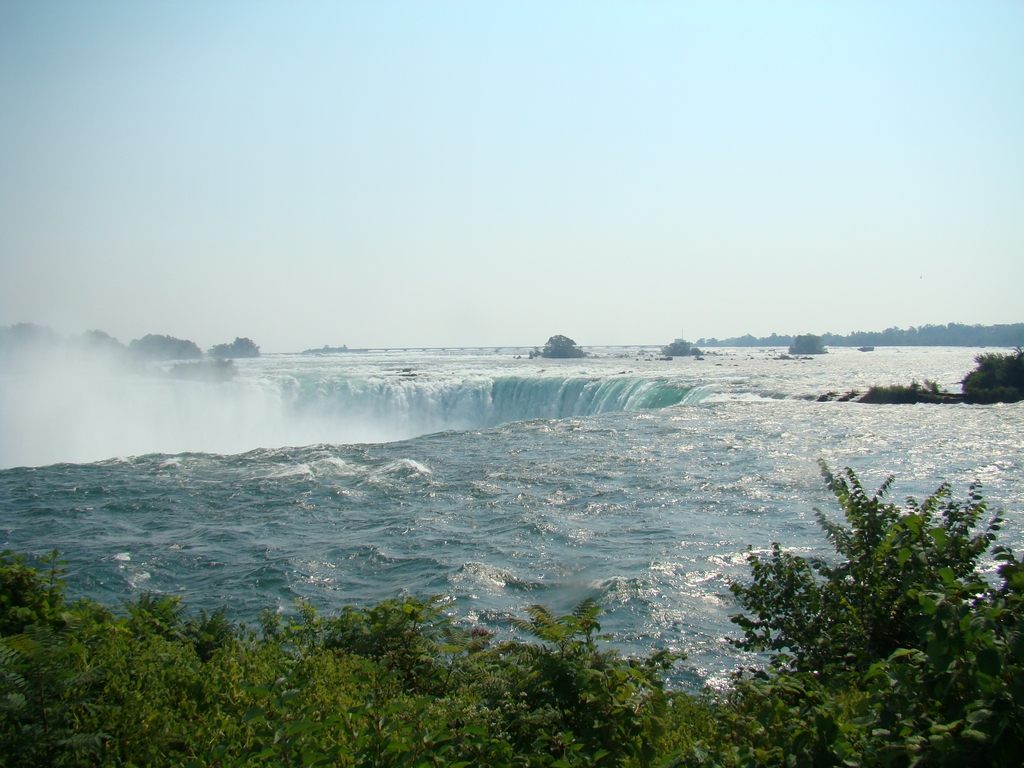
897, 394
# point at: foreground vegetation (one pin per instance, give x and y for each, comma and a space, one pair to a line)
896, 652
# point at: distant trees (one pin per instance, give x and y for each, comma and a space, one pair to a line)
678, 348
950, 335
101, 340
562, 346
236, 349
27, 334
808, 344
328, 350
18, 342
154, 347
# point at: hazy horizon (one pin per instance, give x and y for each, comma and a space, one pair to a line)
84, 337
460, 175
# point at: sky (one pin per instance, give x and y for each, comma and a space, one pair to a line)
463, 174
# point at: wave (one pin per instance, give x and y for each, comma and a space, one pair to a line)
422, 406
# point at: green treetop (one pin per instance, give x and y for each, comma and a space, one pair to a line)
237, 348
562, 346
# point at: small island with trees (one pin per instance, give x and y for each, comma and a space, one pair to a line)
239, 348
808, 344
156, 347
680, 348
559, 347
145, 356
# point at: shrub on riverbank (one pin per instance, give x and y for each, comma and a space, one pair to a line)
899, 654
394, 684
997, 379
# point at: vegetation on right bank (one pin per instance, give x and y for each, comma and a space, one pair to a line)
997, 378
901, 649
907, 394
897, 652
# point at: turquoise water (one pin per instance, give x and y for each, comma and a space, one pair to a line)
495, 482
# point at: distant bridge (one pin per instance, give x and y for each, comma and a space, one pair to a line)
516, 349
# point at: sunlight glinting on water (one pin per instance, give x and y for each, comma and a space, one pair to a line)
494, 481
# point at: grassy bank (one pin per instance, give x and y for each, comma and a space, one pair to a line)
902, 394
895, 652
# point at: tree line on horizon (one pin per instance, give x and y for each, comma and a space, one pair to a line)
151, 347
950, 335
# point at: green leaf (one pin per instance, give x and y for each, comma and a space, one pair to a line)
989, 661
255, 714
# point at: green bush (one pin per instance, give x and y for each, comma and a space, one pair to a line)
997, 379
393, 684
26, 596
957, 698
914, 393
562, 346
839, 618
899, 654
612, 707
678, 348
808, 344
240, 347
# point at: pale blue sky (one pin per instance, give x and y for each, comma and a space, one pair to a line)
486, 173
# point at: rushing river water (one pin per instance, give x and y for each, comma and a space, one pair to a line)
494, 481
